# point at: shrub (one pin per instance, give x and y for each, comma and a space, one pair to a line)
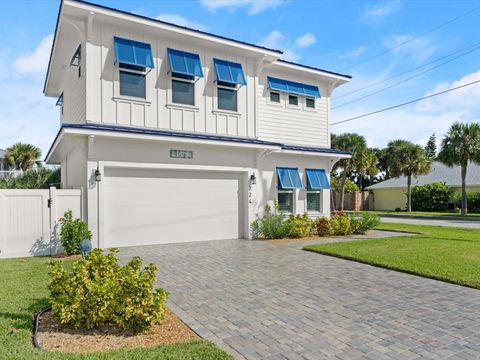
32, 179
73, 232
340, 224
270, 226
298, 226
322, 226
363, 223
431, 197
350, 186
473, 201
97, 291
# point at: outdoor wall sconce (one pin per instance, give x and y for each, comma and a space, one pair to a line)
98, 176
253, 179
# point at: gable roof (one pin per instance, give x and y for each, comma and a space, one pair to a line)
439, 173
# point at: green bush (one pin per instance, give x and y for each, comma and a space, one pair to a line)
72, 233
322, 226
97, 291
363, 223
32, 179
340, 224
431, 197
350, 186
270, 226
298, 226
473, 201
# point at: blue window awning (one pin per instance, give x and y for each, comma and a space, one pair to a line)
131, 52
229, 72
293, 87
185, 63
317, 179
289, 178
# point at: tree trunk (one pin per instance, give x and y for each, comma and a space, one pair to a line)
360, 183
342, 189
332, 200
409, 193
464, 189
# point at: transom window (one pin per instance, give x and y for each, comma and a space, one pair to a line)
274, 97
293, 100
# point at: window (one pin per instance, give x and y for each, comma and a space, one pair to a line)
183, 92
274, 97
285, 200
293, 100
132, 84
313, 200
227, 99
316, 181
310, 102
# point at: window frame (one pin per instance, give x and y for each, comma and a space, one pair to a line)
276, 93
307, 98
224, 86
292, 96
318, 194
184, 79
134, 99
290, 192
128, 71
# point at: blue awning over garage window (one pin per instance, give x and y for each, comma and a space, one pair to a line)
289, 178
317, 179
185, 63
229, 72
293, 87
131, 52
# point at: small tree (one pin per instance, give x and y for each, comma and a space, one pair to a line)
431, 147
22, 156
409, 160
461, 145
73, 232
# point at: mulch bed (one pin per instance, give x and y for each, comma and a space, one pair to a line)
56, 337
317, 238
65, 257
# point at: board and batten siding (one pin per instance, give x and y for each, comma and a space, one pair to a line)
289, 123
105, 105
74, 93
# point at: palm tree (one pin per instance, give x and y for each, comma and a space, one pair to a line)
22, 156
355, 144
460, 145
407, 159
366, 162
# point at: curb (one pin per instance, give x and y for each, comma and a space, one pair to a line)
36, 320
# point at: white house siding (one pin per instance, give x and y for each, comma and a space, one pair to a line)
105, 105
292, 124
74, 93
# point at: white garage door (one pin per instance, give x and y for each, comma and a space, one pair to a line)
144, 207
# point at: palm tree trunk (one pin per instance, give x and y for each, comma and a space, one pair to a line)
360, 182
332, 200
409, 193
464, 189
342, 189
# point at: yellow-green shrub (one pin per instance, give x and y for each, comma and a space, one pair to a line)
340, 224
298, 226
322, 226
97, 291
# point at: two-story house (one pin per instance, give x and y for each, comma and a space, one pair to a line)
180, 135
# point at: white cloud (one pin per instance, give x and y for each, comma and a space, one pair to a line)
276, 40
254, 6
306, 40
180, 20
415, 51
36, 62
379, 12
353, 54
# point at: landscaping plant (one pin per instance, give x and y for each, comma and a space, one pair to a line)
270, 226
298, 226
364, 222
340, 224
431, 197
73, 232
32, 179
97, 291
322, 226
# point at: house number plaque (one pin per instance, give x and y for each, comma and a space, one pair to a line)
181, 154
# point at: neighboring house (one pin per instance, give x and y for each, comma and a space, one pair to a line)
391, 194
180, 135
5, 168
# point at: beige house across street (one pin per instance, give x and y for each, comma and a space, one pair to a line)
390, 194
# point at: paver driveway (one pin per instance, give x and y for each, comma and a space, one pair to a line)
260, 301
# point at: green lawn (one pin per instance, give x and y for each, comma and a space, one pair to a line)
471, 216
448, 254
23, 293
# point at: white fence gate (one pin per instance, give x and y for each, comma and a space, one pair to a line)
28, 219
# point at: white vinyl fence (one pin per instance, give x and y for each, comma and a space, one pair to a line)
28, 220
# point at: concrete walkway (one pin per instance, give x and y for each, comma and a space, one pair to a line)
258, 300
471, 224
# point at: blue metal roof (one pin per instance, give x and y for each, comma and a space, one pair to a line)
229, 72
189, 135
314, 68
317, 179
185, 63
292, 87
131, 52
289, 178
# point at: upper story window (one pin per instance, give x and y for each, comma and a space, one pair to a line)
294, 90
230, 77
185, 67
288, 180
274, 96
133, 59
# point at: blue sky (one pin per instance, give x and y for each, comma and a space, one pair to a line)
333, 35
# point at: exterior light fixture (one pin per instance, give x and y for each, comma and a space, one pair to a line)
98, 176
253, 179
